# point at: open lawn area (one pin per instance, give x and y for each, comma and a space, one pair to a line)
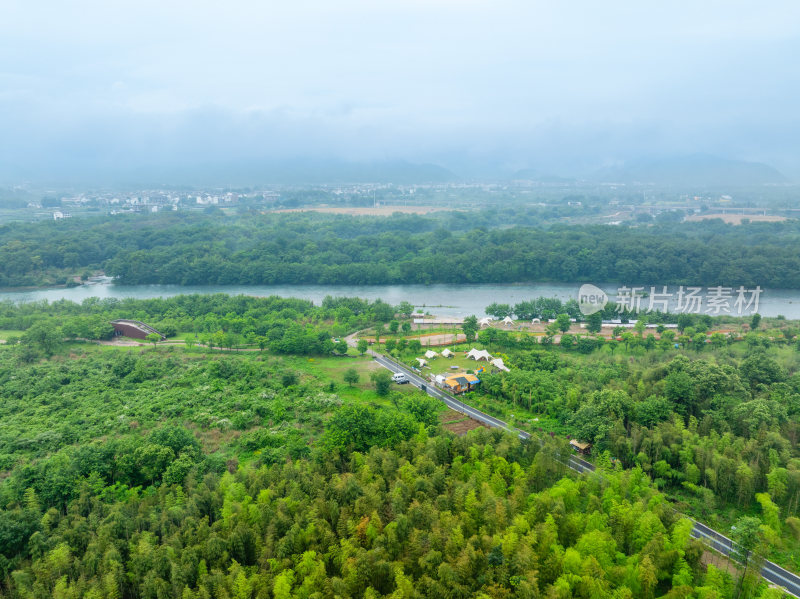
333, 369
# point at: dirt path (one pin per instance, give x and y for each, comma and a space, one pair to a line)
121, 342
127, 342
443, 339
425, 340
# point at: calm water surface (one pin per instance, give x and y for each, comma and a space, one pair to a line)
445, 300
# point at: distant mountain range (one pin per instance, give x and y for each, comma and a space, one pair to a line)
698, 170
681, 171
694, 170
299, 172
529, 174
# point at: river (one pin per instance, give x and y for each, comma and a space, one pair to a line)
444, 300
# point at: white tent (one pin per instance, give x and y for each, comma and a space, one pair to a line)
479, 354
508, 320
498, 363
484, 322
422, 362
536, 321
430, 354
447, 353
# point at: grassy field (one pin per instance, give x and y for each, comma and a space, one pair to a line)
323, 368
6, 333
82, 346
442, 365
333, 368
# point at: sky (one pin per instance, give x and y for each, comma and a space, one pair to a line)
89, 88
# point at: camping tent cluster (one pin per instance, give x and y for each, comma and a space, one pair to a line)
473, 354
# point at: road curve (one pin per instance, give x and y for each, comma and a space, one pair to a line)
771, 572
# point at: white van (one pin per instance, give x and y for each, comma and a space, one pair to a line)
400, 378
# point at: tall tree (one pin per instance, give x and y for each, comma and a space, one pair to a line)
44, 336
594, 322
470, 327
351, 376
382, 381
153, 338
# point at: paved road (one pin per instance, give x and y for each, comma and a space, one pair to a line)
448, 399
770, 571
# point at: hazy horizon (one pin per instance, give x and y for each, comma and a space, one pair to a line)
91, 91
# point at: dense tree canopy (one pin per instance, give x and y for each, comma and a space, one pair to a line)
713, 429
284, 325
187, 249
162, 472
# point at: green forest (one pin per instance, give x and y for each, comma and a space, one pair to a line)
453, 247
714, 428
278, 463
711, 417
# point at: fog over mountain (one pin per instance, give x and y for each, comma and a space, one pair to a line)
249, 91
698, 169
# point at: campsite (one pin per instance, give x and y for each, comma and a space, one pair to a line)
457, 371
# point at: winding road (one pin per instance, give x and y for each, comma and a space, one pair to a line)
771, 572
